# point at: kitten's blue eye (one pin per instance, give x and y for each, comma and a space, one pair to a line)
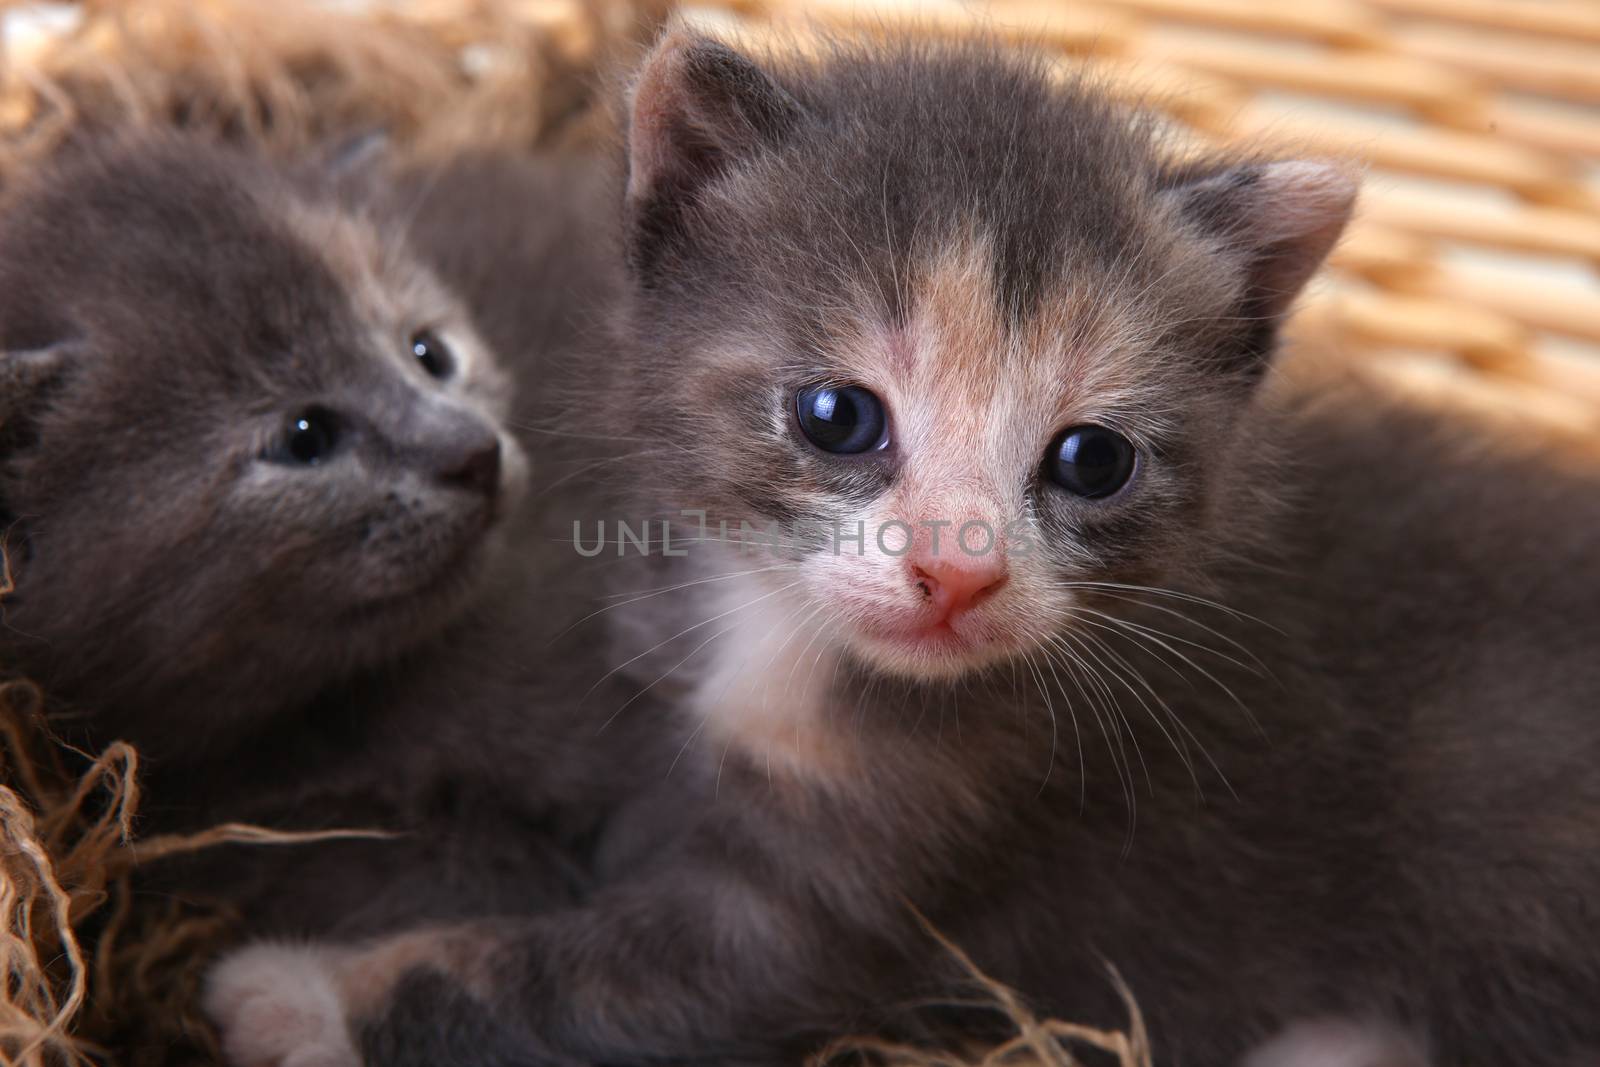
434, 355
1090, 461
844, 419
312, 436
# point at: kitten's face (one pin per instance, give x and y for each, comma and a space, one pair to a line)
960, 485
950, 309
257, 432
1014, 465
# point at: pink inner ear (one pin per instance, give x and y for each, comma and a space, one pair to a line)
660, 103
698, 104
1298, 212
1275, 221
1305, 201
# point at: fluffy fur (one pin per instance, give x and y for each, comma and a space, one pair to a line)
1299, 724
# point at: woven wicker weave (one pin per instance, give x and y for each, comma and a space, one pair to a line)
1478, 239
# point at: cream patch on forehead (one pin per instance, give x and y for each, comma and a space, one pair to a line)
979, 393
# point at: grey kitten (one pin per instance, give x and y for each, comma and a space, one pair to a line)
1278, 699
258, 471
243, 430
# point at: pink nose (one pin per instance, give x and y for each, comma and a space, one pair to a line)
954, 585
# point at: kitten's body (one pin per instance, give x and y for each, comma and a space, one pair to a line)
1402, 832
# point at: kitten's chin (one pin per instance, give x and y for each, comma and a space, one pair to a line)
433, 592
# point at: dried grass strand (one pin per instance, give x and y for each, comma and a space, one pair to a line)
1046, 1042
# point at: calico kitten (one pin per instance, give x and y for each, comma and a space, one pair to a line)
257, 469
1279, 700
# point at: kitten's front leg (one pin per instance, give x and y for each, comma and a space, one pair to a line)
286, 1005
691, 972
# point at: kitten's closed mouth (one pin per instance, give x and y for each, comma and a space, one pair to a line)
440, 575
932, 638
942, 649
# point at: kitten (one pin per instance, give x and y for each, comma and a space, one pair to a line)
1278, 699
215, 434
258, 472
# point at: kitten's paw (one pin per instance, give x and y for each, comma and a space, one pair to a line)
280, 1006
1339, 1043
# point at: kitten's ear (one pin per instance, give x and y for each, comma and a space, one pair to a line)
1278, 221
698, 107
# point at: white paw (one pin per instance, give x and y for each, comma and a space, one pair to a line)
1339, 1043
279, 1006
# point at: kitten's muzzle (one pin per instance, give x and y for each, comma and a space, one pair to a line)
476, 469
